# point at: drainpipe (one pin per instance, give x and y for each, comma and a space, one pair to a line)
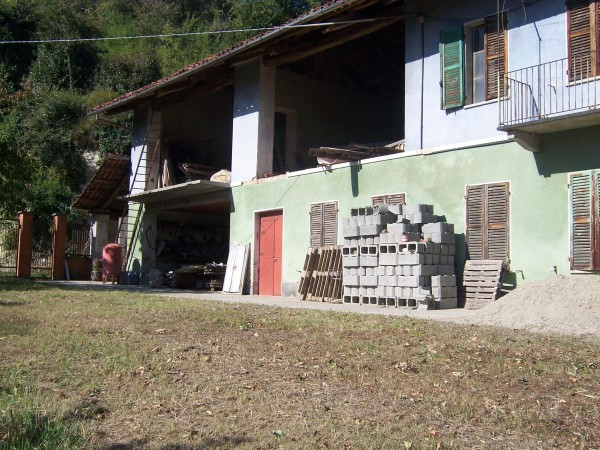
422, 22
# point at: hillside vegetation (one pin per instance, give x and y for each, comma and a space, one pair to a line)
46, 88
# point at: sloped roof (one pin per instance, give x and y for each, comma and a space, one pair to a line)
110, 182
241, 47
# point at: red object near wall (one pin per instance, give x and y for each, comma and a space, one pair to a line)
112, 261
270, 251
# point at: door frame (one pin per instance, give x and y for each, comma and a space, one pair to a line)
255, 246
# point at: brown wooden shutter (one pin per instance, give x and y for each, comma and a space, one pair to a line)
316, 225
496, 238
582, 231
580, 33
330, 224
388, 199
475, 221
495, 56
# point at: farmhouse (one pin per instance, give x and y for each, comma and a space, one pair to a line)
490, 115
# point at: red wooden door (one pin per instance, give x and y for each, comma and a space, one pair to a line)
270, 249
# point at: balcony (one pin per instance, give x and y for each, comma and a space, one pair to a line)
555, 96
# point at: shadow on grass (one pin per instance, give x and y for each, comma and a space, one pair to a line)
218, 442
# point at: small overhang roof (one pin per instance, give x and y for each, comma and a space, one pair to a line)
178, 191
104, 189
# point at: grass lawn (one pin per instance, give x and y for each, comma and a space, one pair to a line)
83, 368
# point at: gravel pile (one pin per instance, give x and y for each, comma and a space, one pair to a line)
558, 304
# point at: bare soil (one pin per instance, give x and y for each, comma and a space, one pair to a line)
139, 371
559, 304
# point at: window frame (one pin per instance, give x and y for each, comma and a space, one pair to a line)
594, 35
468, 28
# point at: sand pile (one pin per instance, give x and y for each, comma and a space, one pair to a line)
558, 304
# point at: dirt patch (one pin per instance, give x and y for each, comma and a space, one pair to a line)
559, 304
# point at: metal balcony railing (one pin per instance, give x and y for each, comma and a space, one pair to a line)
552, 89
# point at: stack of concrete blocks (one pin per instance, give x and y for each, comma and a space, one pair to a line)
398, 256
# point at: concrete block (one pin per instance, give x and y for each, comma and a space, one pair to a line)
399, 270
436, 281
369, 241
353, 212
446, 270
439, 227
452, 249
364, 300
347, 242
369, 250
347, 290
435, 259
448, 238
424, 270
422, 291
402, 219
368, 281
362, 241
383, 237
355, 299
429, 209
371, 291
428, 247
373, 300
373, 220
369, 261
389, 291
353, 270
390, 270
351, 280
370, 230
392, 280
422, 218
411, 258
408, 293
361, 221
444, 259
399, 228
414, 209
380, 270
345, 271
365, 211
437, 248
412, 247
415, 281
361, 271
388, 219
449, 280
390, 302
398, 292
380, 291
354, 290
387, 259
370, 271
446, 303
347, 299
428, 259
380, 209
395, 209
376, 240
425, 302
349, 232
362, 291
351, 261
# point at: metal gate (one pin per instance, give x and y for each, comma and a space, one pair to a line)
9, 240
41, 255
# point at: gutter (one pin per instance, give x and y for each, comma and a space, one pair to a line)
233, 52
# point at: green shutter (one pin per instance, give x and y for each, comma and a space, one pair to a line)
451, 56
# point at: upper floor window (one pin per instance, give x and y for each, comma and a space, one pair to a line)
473, 60
583, 18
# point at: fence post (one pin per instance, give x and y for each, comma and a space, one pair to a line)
25, 244
59, 247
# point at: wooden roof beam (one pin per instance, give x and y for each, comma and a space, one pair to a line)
325, 42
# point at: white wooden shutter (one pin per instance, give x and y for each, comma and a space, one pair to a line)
582, 221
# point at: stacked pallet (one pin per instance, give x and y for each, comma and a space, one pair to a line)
399, 256
482, 280
321, 279
212, 277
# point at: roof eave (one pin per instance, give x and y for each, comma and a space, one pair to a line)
221, 58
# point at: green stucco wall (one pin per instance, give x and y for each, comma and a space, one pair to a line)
539, 222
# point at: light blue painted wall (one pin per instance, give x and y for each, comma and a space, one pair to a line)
536, 33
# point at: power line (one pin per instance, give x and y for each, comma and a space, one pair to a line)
193, 33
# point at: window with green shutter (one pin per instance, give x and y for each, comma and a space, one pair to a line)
452, 67
323, 224
585, 220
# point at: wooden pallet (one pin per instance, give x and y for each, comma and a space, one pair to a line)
321, 279
482, 280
